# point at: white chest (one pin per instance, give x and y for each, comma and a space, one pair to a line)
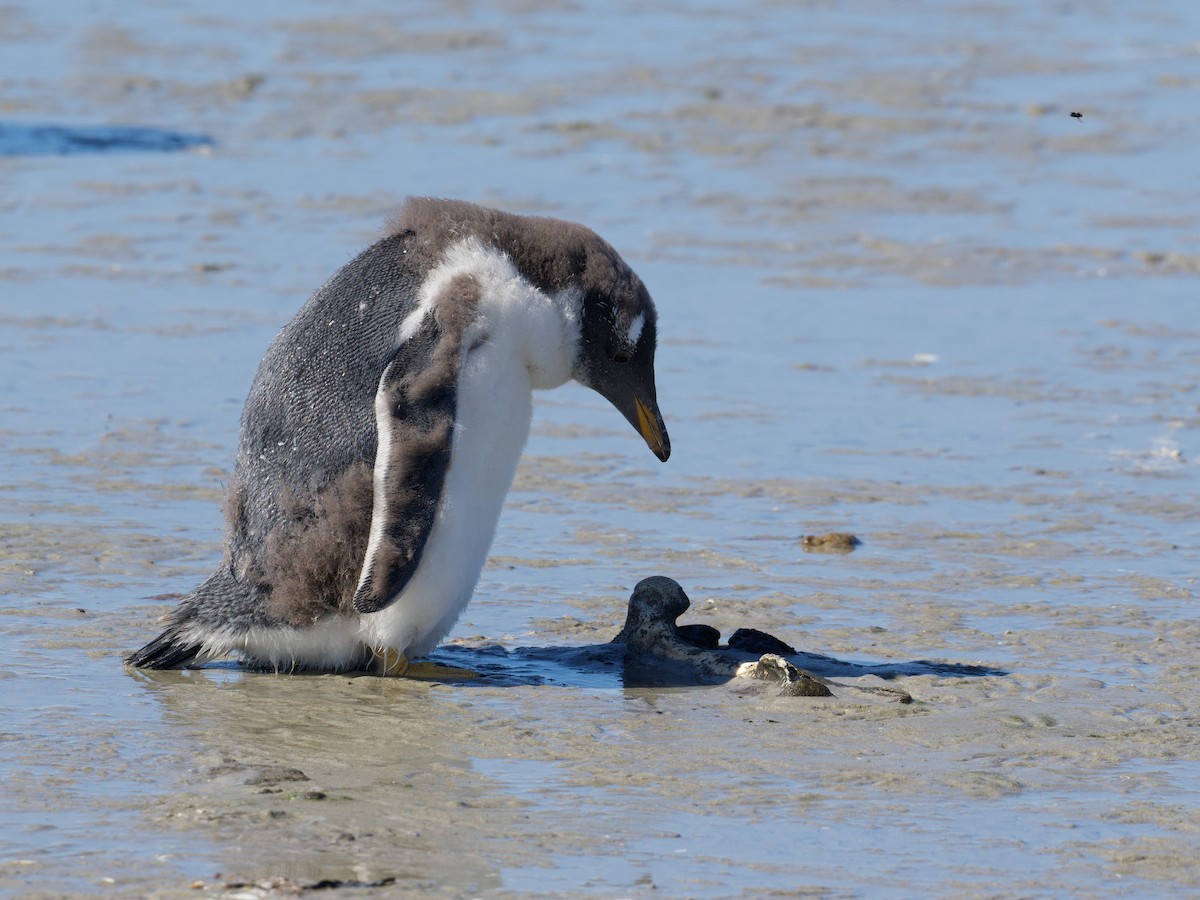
521, 339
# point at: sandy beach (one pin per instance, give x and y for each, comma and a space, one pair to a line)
903, 293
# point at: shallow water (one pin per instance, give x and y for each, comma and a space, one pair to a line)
902, 292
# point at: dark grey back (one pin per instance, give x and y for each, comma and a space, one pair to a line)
310, 414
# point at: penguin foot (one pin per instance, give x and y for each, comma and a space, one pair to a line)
388, 662
431, 671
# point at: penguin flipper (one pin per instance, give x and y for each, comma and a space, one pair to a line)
415, 407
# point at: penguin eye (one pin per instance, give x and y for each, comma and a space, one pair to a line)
618, 352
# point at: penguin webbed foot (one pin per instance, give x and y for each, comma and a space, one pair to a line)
389, 663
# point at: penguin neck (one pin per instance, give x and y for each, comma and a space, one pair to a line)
549, 334
514, 318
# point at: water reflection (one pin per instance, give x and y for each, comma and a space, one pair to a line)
611, 666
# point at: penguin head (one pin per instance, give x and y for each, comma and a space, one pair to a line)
599, 294
615, 355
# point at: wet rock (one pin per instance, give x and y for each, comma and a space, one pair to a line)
266, 775
280, 886
833, 542
751, 640
793, 682
650, 632
703, 636
276, 774
652, 639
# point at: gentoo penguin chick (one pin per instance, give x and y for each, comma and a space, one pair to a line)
383, 429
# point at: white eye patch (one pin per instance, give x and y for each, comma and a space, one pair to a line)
635, 329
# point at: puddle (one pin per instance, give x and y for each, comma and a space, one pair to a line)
21, 139
903, 294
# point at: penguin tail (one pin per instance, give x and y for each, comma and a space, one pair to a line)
170, 650
195, 628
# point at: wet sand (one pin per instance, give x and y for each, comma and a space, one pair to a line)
904, 294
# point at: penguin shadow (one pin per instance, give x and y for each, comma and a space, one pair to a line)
652, 650
27, 139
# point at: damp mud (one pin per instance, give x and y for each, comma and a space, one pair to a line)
904, 295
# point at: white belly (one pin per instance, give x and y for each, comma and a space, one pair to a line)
494, 407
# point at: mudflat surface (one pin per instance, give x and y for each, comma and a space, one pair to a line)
903, 294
